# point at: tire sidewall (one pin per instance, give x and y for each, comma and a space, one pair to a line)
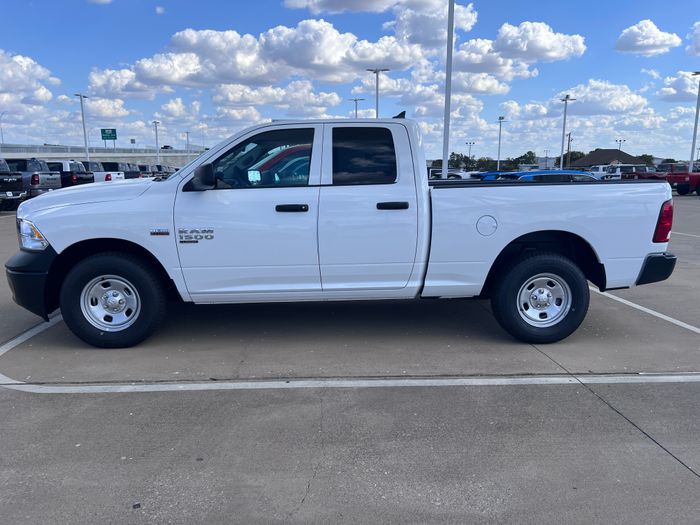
138, 274
505, 300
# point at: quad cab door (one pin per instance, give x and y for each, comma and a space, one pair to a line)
255, 235
368, 216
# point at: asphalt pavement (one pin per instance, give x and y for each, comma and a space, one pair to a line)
599, 428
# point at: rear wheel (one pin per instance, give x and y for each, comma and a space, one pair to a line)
683, 189
542, 299
112, 300
697, 189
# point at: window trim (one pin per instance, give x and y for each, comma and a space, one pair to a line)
327, 175
314, 163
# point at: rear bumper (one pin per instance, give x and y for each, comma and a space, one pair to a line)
27, 275
12, 195
657, 267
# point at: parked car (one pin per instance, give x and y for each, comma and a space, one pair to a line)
549, 176
685, 183
147, 170
99, 172
130, 171
12, 191
37, 178
72, 173
643, 172
364, 223
600, 171
672, 167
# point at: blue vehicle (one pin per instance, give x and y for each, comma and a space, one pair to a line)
547, 176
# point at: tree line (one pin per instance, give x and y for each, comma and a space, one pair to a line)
462, 161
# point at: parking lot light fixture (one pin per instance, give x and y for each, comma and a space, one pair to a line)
691, 167
356, 100
620, 142
566, 101
501, 120
377, 71
155, 127
470, 144
187, 135
82, 113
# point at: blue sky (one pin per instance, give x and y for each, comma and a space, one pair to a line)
212, 69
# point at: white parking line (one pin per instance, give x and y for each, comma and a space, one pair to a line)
21, 338
686, 234
299, 384
649, 311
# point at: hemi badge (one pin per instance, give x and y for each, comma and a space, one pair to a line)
160, 232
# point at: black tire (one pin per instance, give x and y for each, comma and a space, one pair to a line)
697, 190
505, 301
149, 291
683, 189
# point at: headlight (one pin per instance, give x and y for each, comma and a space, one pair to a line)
30, 238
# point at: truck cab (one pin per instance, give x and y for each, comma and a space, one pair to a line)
72, 173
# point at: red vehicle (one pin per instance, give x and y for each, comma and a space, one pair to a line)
685, 183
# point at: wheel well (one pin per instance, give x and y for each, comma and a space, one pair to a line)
565, 243
79, 251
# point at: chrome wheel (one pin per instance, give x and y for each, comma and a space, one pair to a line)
110, 303
544, 300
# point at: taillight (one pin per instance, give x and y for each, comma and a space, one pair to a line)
35, 180
74, 179
108, 177
665, 222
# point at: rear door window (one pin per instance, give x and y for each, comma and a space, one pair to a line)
363, 156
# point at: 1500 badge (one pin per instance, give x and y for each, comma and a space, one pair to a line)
193, 236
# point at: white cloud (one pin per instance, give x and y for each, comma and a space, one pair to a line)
479, 56
653, 73
536, 41
601, 97
24, 81
693, 48
313, 48
644, 38
297, 99
160, 10
682, 87
105, 108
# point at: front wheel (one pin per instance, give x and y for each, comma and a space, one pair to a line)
683, 189
112, 300
542, 299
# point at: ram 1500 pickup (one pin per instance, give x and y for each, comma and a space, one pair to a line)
333, 210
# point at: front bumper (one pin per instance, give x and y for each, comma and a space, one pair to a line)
27, 275
657, 267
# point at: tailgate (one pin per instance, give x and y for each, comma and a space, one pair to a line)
50, 179
10, 182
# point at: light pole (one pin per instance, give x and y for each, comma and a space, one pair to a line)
695, 129
187, 135
82, 113
2, 135
470, 144
498, 160
448, 87
155, 125
356, 100
566, 101
376, 72
620, 142
546, 159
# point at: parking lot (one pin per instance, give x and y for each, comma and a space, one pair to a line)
360, 412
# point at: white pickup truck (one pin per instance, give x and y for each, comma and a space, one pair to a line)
333, 210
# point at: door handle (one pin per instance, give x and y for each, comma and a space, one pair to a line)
392, 205
290, 208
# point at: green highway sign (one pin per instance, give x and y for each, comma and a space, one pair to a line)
109, 134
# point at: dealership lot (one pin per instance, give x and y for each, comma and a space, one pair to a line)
538, 445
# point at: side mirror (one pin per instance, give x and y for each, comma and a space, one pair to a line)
203, 179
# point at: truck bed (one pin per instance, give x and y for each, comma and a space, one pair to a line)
618, 218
